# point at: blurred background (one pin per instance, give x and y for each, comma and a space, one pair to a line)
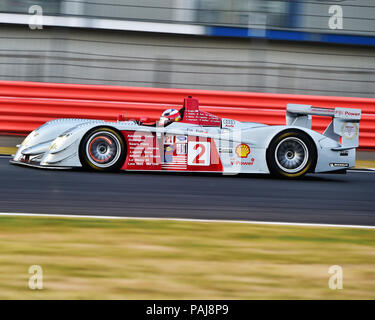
312, 47
287, 46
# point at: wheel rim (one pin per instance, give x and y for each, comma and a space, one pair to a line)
103, 149
291, 155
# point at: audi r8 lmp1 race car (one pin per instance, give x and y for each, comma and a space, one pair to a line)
193, 140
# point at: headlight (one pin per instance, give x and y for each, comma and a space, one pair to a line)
58, 142
32, 135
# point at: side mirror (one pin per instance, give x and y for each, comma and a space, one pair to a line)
144, 119
121, 117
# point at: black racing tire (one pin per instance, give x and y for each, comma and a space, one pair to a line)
291, 154
102, 149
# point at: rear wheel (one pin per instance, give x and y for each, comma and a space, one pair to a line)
102, 149
291, 154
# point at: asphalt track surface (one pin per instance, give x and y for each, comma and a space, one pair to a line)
333, 199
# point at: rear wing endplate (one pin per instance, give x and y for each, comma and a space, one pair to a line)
344, 124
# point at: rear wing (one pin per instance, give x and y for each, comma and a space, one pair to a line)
344, 124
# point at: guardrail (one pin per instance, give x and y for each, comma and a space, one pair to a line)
25, 106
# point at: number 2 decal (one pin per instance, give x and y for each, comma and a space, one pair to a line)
199, 153
197, 159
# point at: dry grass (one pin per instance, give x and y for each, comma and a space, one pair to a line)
120, 259
8, 150
364, 164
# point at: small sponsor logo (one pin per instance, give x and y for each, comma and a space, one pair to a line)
234, 162
225, 150
242, 150
227, 123
347, 114
341, 165
352, 114
349, 130
181, 139
323, 110
344, 153
339, 113
169, 139
168, 148
181, 148
196, 130
168, 154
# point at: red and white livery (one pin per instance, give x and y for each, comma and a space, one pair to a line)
193, 140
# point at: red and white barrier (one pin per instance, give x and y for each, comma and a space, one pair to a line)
24, 106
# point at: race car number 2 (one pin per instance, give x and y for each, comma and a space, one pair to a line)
199, 153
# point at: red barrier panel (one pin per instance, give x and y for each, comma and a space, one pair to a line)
26, 105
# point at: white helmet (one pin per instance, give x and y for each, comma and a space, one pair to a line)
168, 116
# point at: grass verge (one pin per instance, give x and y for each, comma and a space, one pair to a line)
135, 259
364, 164
8, 150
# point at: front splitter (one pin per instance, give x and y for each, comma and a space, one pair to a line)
19, 163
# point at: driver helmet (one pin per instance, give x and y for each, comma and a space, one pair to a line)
169, 116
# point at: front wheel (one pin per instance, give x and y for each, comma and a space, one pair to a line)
291, 154
102, 149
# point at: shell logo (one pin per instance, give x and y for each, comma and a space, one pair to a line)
242, 150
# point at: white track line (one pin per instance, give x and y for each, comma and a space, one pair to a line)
185, 220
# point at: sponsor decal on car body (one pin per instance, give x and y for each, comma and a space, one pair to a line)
181, 139
168, 139
236, 162
225, 150
228, 123
242, 150
181, 148
199, 153
342, 165
349, 130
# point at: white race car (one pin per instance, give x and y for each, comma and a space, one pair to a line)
198, 141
